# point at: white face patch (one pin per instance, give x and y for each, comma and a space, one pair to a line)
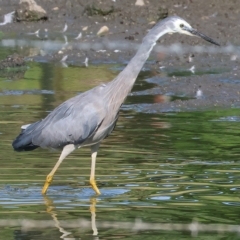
179, 26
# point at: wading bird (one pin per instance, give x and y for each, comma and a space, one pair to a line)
88, 118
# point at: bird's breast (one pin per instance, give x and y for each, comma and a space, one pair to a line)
102, 132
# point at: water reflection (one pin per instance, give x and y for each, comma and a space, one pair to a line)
51, 209
159, 167
37, 228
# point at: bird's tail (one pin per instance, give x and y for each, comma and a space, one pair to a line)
23, 142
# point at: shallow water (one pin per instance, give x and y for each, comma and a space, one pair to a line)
166, 167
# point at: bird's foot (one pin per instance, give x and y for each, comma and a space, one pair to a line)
94, 186
48, 181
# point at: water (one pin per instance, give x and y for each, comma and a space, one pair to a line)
156, 168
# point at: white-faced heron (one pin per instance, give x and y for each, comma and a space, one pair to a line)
88, 118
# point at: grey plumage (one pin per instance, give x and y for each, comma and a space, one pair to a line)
86, 119
74, 121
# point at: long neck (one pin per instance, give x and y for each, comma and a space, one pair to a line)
118, 89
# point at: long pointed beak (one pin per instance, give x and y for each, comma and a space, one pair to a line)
194, 32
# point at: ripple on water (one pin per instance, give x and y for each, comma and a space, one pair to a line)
25, 194
169, 167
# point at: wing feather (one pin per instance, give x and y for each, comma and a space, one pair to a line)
74, 121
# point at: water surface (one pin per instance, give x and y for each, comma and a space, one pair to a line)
165, 167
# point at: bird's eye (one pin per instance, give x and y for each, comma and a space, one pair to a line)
181, 25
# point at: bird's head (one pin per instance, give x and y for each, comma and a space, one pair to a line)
179, 25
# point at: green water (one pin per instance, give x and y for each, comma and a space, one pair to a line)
155, 168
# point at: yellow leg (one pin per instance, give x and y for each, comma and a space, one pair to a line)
94, 186
94, 150
65, 152
47, 183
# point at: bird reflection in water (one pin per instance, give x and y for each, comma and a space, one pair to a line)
51, 209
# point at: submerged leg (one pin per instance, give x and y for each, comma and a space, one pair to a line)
94, 150
65, 152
